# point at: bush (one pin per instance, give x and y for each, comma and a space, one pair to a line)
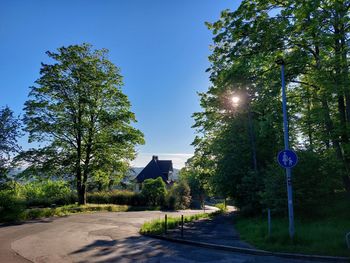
116, 197
45, 193
179, 196
170, 201
11, 205
35, 213
314, 180
222, 207
154, 191
248, 197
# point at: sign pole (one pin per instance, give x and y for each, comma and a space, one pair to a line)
286, 146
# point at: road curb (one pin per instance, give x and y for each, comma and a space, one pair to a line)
251, 251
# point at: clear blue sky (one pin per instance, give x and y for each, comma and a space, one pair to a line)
161, 47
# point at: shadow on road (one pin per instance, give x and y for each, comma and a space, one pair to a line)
128, 249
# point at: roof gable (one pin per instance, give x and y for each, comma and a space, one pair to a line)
154, 169
165, 166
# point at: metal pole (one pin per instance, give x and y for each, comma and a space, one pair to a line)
269, 221
182, 226
286, 146
165, 223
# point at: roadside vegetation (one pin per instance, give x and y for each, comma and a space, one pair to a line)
222, 207
239, 130
77, 112
37, 213
47, 198
323, 234
156, 227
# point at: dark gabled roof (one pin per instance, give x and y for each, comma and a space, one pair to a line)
165, 166
155, 168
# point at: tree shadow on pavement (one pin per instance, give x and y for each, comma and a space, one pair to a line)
145, 249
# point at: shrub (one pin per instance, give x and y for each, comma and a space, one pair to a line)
45, 193
179, 196
170, 200
116, 197
154, 191
11, 205
183, 192
314, 180
222, 207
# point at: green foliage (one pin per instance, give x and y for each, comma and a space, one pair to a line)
236, 145
21, 202
9, 133
322, 237
154, 191
274, 195
116, 197
35, 213
183, 192
193, 179
47, 192
156, 226
222, 207
11, 204
79, 111
170, 202
323, 234
178, 196
314, 179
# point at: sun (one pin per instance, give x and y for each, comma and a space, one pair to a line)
235, 100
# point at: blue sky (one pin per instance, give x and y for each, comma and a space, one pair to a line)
161, 47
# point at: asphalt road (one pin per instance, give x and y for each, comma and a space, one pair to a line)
103, 237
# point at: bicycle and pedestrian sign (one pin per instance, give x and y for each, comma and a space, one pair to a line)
287, 158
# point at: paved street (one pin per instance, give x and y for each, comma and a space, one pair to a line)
103, 237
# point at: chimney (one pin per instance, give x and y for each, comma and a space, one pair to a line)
155, 157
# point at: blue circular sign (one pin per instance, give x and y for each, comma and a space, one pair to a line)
287, 158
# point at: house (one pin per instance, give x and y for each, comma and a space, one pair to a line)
154, 169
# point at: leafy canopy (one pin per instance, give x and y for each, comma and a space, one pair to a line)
80, 116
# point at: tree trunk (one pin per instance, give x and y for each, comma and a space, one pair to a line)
82, 194
252, 140
87, 162
309, 127
341, 70
336, 144
81, 185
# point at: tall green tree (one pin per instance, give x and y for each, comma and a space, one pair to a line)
9, 133
312, 38
80, 115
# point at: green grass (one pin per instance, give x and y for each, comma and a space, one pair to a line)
323, 237
157, 226
323, 234
35, 213
222, 207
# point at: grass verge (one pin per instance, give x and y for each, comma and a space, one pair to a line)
156, 226
321, 231
322, 237
35, 213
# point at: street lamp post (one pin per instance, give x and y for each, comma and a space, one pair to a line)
286, 147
